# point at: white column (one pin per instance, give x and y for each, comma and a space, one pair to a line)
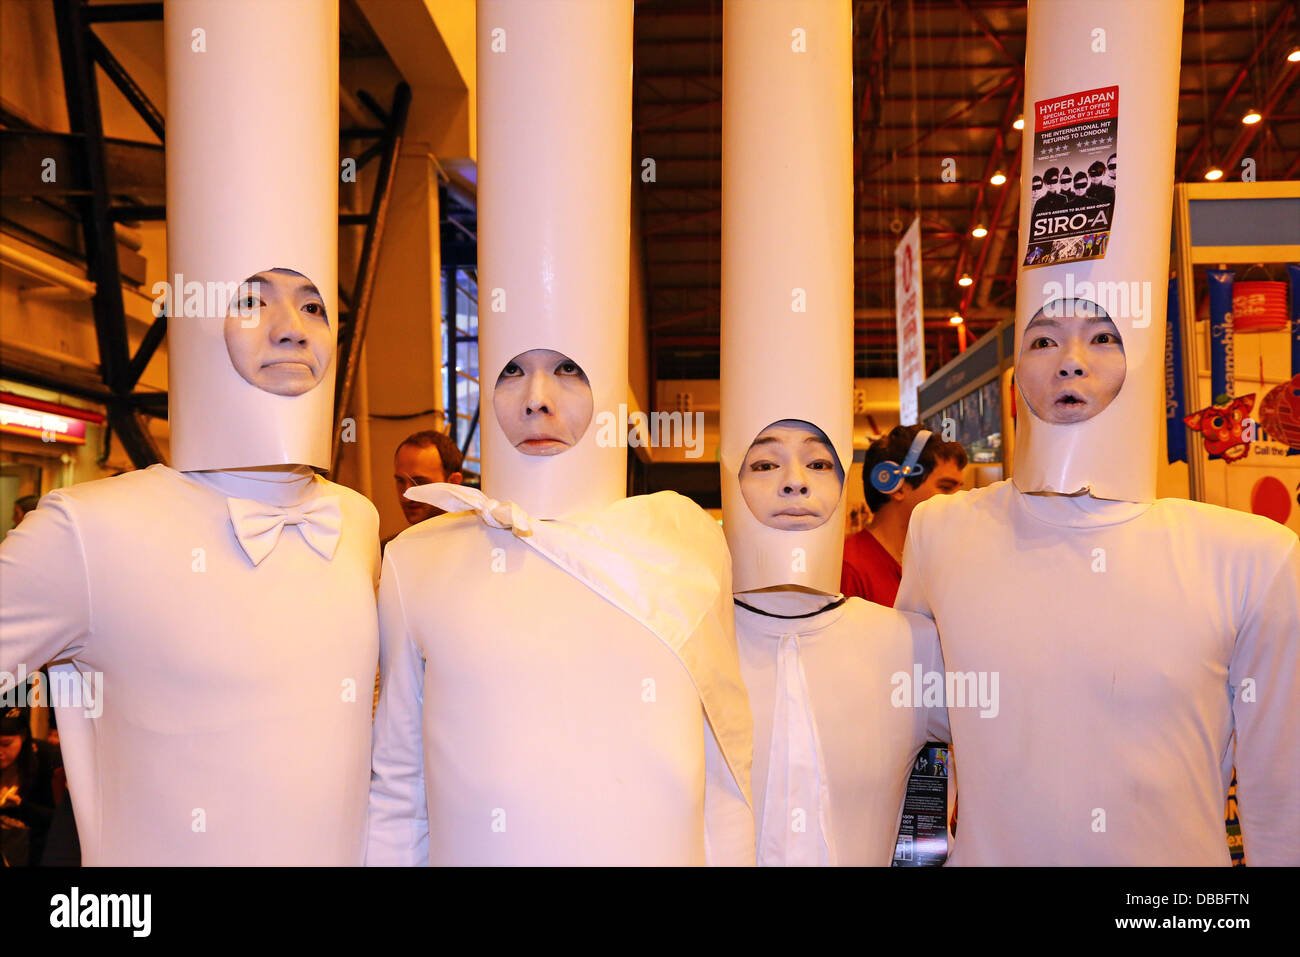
554, 191
252, 184
787, 263
1076, 48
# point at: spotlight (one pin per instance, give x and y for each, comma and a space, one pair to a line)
1293, 55
1019, 124
998, 178
956, 319
965, 279
1252, 117
979, 232
1213, 173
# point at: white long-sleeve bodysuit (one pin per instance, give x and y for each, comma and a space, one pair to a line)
525, 719
235, 722
832, 751
1131, 642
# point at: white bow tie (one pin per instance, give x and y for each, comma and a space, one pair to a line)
258, 525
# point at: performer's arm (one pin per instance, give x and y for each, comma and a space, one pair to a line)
1265, 675
911, 590
932, 722
44, 594
398, 829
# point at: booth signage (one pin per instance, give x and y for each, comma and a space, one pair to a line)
46, 426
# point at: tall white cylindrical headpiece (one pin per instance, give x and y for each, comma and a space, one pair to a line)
1090, 302
252, 198
787, 290
554, 192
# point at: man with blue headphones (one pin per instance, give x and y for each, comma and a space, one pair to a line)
901, 470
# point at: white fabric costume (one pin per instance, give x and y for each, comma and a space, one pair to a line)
560, 682
233, 724
229, 614
563, 729
1131, 636
831, 751
1122, 634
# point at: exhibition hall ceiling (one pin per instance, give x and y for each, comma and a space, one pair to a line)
938, 85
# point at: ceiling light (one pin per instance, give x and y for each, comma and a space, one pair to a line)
1019, 124
998, 178
1293, 55
979, 232
1213, 173
956, 319
1251, 117
965, 280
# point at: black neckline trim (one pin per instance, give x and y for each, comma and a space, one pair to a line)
771, 614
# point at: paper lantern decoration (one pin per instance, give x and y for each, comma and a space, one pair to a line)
1259, 306
1221, 425
1279, 413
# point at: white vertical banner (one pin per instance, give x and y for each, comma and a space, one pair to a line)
911, 327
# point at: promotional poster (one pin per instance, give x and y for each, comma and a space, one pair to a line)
1074, 169
923, 831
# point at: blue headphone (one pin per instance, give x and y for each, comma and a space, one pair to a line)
886, 477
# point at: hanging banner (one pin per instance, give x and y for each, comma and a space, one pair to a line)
1236, 849
911, 328
1175, 430
1293, 271
1222, 372
1074, 170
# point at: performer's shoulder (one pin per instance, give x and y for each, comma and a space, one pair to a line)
352, 500
448, 528
676, 510
877, 617
995, 498
1235, 528
114, 490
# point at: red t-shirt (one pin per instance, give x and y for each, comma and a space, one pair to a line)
869, 571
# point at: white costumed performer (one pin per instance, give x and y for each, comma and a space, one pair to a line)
831, 751
222, 611
1143, 645
560, 683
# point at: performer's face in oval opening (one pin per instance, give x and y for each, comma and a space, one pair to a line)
278, 334
791, 477
543, 402
1071, 363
